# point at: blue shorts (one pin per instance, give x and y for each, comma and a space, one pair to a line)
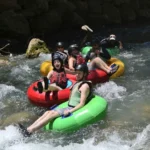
61, 110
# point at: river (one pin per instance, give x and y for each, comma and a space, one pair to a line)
126, 126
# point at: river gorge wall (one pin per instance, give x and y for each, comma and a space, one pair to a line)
20, 20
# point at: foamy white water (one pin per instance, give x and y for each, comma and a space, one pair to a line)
126, 126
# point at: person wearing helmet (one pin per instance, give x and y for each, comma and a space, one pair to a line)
81, 92
75, 58
62, 52
95, 62
97, 51
57, 77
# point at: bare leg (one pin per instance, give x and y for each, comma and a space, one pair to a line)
53, 87
43, 120
99, 63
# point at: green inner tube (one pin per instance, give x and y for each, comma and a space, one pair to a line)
85, 50
92, 112
113, 51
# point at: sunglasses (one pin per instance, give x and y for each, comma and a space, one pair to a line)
60, 47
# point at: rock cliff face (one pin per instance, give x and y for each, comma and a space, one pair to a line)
21, 19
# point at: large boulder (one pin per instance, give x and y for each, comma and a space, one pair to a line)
66, 11
77, 20
21, 117
135, 5
144, 13
111, 13
81, 8
47, 23
34, 7
119, 2
144, 4
96, 20
94, 6
3, 61
13, 24
35, 47
8, 4
127, 13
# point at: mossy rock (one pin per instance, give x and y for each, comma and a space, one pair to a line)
35, 47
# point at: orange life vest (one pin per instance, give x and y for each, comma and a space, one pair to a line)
59, 78
80, 59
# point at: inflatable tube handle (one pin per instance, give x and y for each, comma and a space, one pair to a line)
70, 114
113, 65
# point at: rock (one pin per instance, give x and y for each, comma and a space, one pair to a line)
8, 4
47, 23
95, 6
111, 13
35, 47
4, 62
35, 7
144, 13
66, 12
13, 24
77, 20
81, 8
119, 2
135, 4
144, 4
21, 117
96, 20
127, 13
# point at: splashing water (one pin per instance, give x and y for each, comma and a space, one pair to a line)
126, 126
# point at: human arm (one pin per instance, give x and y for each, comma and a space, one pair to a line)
50, 74
84, 90
71, 63
120, 45
69, 71
87, 37
104, 42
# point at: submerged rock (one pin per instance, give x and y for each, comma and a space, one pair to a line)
4, 60
35, 47
21, 117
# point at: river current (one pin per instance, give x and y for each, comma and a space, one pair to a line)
125, 127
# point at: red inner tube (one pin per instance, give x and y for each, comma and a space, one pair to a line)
96, 76
48, 99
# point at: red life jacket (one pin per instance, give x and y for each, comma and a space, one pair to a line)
80, 59
59, 78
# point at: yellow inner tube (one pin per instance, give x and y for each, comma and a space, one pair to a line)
45, 68
120, 70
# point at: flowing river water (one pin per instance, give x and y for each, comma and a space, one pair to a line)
127, 123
